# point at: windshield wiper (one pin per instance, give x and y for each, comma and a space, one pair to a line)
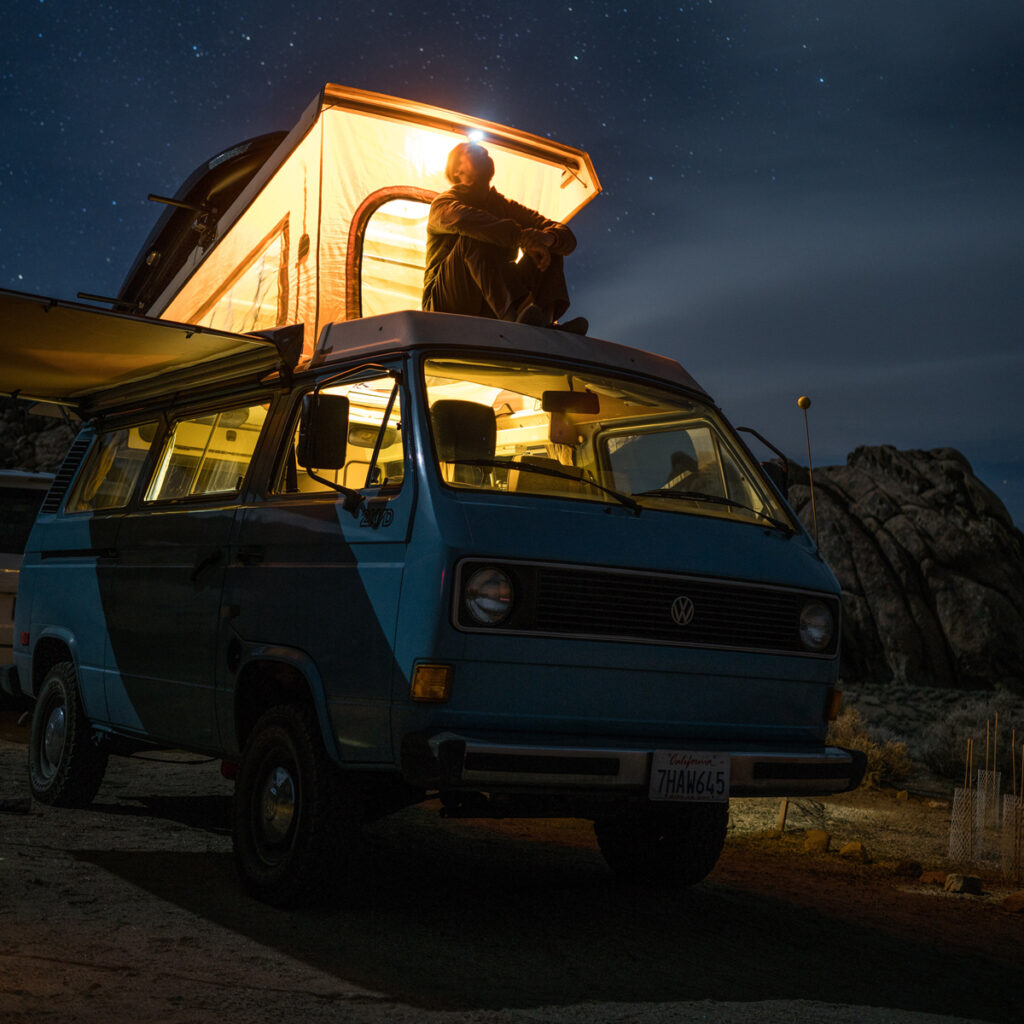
622, 499
714, 499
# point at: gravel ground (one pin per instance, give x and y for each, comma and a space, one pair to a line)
130, 911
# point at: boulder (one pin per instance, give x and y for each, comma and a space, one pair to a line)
34, 443
816, 841
931, 566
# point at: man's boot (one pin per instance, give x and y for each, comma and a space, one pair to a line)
577, 325
530, 313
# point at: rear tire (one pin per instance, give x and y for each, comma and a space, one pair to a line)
670, 847
66, 764
293, 829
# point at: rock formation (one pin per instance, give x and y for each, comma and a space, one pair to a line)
931, 566
34, 443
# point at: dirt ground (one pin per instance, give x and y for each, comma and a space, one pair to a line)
131, 911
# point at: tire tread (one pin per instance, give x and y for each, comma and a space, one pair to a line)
83, 761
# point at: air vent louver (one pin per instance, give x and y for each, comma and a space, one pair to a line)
69, 467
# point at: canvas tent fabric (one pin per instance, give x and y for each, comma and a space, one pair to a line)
286, 251
82, 357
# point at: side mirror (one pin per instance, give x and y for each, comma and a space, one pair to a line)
323, 431
778, 474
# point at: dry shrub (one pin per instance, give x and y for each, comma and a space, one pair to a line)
944, 744
889, 762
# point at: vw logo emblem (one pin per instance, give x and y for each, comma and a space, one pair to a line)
682, 611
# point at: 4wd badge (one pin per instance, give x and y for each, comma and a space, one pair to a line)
376, 517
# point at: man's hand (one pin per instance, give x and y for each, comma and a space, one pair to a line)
537, 245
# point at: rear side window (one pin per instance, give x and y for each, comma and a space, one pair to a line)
207, 454
112, 469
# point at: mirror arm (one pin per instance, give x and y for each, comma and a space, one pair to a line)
353, 499
765, 442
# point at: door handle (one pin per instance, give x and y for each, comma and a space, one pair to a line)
206, 565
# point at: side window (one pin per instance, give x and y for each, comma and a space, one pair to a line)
207, 454
111, 469
368, 401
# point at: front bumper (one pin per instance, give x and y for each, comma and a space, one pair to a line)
451, 762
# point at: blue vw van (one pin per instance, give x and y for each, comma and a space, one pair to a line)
528, 573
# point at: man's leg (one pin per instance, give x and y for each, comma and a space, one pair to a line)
476, 280
548, 286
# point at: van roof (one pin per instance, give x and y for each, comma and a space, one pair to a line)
377, 335
23, 479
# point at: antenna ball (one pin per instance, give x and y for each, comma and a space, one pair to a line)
804, 402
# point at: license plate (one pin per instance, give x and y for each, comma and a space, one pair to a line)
689, 776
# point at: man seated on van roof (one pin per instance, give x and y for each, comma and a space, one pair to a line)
473, 235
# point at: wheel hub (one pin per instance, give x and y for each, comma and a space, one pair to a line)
53, 739
278, 804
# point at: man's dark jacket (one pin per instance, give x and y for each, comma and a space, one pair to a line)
488, 217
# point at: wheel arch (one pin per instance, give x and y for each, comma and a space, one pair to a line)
273, 676
50, 649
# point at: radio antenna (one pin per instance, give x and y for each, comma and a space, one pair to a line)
805, 403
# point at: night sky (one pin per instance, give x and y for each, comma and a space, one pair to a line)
799, 198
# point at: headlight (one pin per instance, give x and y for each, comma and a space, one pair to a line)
816, 626
488, 596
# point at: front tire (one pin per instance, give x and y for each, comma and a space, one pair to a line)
670, 847
65, 763
292, 826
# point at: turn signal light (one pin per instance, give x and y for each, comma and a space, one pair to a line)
833, 704
431, 683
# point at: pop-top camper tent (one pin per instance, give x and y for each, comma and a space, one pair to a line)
330, 226
333, 226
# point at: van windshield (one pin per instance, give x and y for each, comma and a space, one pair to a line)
513, 426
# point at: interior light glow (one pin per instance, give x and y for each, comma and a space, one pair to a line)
426, 150
475, 135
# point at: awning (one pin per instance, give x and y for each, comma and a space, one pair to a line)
85, 358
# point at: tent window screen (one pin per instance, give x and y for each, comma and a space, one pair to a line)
394, 254
254, 298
